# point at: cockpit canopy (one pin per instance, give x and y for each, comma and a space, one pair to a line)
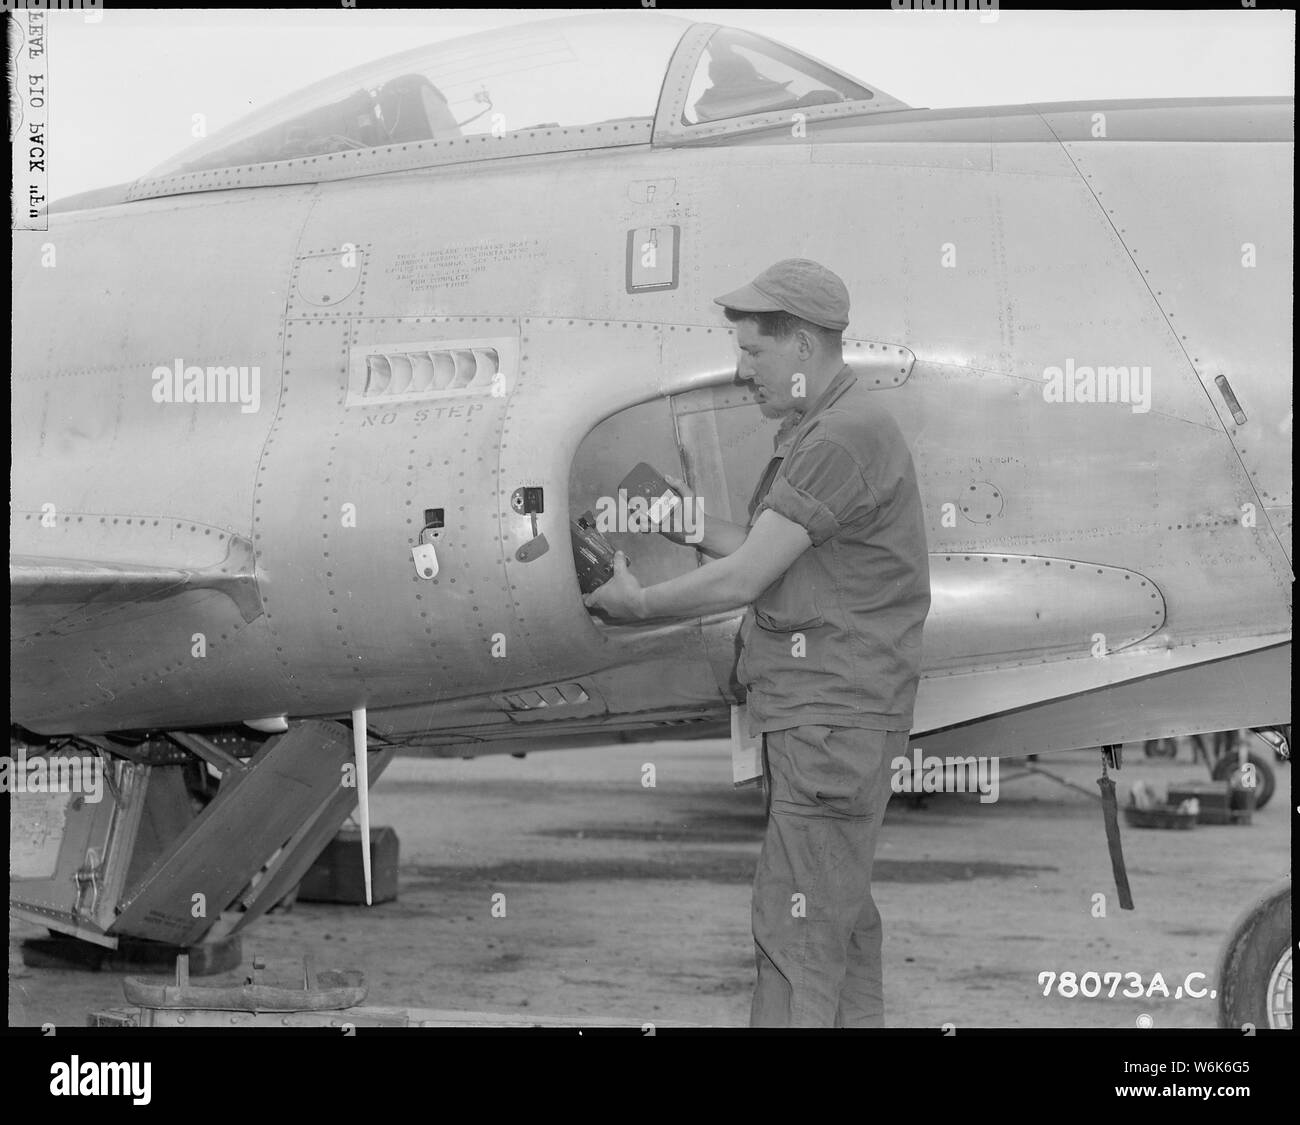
654, 74
740, 74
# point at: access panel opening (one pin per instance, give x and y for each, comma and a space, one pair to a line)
617, 496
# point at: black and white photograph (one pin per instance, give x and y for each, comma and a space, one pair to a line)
651, 521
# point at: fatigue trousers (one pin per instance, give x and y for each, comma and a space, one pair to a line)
816, 929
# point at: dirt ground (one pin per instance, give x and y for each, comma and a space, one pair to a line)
633, 902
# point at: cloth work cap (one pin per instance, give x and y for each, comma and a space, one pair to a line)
798, 286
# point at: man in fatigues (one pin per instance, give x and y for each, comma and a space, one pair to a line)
834, 569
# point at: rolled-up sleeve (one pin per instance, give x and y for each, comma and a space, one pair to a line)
821, 488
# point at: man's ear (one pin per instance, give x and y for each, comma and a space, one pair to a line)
804, 343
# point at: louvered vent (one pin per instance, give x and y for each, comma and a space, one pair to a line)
556, 695
408, 372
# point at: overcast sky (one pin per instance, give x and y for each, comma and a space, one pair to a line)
123, 89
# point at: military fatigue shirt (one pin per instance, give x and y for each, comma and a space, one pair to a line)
836, 640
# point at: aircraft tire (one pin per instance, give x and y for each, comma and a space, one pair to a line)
1160, 748
1226, 766
1255, 965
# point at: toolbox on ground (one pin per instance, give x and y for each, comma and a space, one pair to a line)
1220, 802
1169, 817
338, 876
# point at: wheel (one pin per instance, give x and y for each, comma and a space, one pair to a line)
1160, 748
1227, 768
1255, 965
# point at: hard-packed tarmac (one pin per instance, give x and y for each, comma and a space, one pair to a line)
562, 884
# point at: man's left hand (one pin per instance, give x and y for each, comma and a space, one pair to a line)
622, 596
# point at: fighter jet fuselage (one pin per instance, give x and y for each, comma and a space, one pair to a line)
243, 396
